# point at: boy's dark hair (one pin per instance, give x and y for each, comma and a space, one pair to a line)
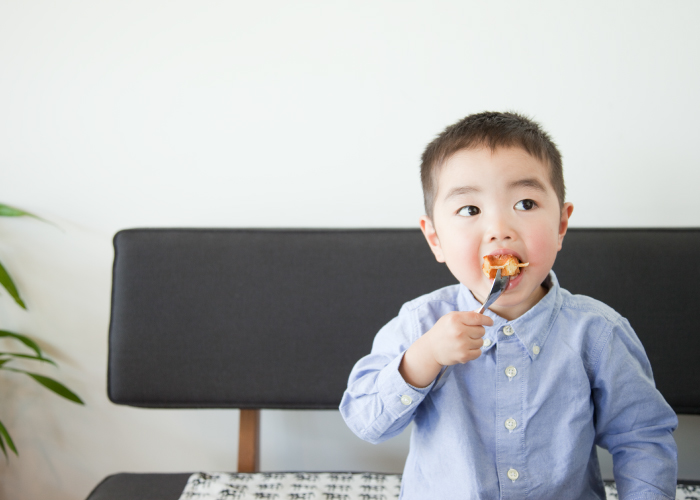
492, 130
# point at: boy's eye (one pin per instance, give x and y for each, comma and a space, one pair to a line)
469, 211
525, 205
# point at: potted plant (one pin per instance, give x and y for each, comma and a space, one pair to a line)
13, 361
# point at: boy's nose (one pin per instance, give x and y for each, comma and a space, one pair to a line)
499, 230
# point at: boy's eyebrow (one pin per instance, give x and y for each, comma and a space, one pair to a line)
530, 182
462, 190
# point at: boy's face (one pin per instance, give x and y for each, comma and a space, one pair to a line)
499, 202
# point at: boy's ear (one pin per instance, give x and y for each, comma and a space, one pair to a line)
426, 225
566, 212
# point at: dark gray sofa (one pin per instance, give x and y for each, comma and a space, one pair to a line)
252, 319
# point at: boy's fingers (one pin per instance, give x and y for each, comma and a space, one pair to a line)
470, 355
476, 353
476, 343
476, 332
473, 318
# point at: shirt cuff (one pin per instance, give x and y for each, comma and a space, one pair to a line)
398, 396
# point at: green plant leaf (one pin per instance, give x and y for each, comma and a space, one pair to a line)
28, 356
52, 385
6, 435
9, 285
25, 340
8, 211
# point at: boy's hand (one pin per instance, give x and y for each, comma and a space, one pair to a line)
455, 338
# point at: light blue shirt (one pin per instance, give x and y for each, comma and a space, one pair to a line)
522, 420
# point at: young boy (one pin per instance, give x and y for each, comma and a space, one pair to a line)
537, 380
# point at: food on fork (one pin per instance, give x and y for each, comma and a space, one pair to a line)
509, 264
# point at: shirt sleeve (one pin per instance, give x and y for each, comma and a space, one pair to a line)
378, 404
633, 421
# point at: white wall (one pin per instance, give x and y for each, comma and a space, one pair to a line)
117, 114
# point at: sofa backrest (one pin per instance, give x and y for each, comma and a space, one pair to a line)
247, 318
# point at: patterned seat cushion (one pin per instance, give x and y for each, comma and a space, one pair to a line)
325, 485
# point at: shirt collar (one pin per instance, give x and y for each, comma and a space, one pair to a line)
532, 328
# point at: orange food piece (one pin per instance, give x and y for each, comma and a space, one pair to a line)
509, 264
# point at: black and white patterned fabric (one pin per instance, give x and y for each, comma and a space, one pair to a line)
292, 486
324, 486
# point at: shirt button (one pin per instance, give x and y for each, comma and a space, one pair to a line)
510, 425
513, 474
536, 349
487, 342
406, 400
508, 330
511, 372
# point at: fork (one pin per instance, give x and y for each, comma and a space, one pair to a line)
500, 283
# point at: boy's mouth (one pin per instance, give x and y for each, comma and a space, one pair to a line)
515, 280
509, 264
505, 251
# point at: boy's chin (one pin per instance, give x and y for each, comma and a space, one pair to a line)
514, 286
519, 292
520, 299
509, 301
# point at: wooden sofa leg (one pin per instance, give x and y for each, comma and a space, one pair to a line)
249, 441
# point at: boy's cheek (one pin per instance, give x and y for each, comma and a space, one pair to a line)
468, 271
541, 257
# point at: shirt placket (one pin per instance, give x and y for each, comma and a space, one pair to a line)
510, 386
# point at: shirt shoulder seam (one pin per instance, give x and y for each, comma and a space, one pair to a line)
607, 313
601, 308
